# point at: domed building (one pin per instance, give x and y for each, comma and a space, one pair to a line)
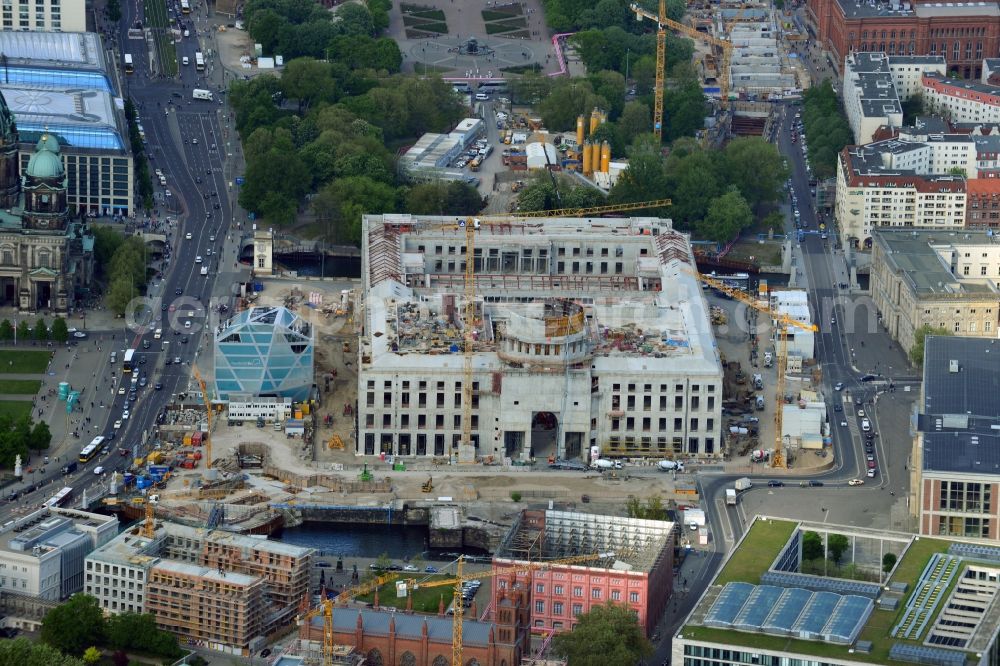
44, 258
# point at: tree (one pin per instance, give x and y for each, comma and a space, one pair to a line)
919, 340
684, 104
75, 625
756, 168
6, 330
812, 546
136, 631
347, 199
913, 106
40, 437
634, 121
888, 562
120, 658
653, 509
23, 330
836, 546
91, 655
41, 331
568, 99
443, 198
24, 652
727, 216
354, 19
607, 634
59, 332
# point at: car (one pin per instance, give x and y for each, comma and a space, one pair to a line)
208, 252
839, 386
866, 378
187, 324
856, 482
815, 484
143, 382
833, 321
178, 292
194, 141
197, 259
98, 470
410, 567
145, 344
167, 361
871, 464
118, 424
216, 206
211, 239
430, 569
866, 425
177, 360
843, 424
197, 179
859, 401
79, 335
861, 412
157, 386
178, 96
125, 414
121, 390
184, 340
133, 396
208, 171
838, 408
872, 472
775, 484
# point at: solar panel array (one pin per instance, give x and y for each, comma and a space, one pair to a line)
927, 594
919, 654
820, 584
791, 611
975, 551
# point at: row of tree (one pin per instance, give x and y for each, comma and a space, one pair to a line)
294, 29
79, 624
145, 182
826, 128
59, 331
19, 437
570, 15
123, 266
716, 194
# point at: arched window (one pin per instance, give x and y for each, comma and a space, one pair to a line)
44, 259
374, 658
407, 659
439, 661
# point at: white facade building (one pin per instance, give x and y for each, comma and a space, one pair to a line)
45, 16
589, 334
795, 304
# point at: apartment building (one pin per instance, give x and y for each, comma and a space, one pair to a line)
883, 185
982, 206
955, 480
45, 15
870, 100
943, 280
206, 607
42, 553
591, 336
961, 101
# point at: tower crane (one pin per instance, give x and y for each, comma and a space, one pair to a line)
208, 411
782, 323
661, 58
466, 451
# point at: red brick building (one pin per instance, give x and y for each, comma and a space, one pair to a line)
419, 639
963, 32
637, 574
983, 206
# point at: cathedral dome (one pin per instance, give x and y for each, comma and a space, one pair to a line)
45, 162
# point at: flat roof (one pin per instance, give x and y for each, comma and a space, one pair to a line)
208, 573
760, 591
239, 540
78, 117
855, 9
918, 256
960, 421
972, 85
78, 51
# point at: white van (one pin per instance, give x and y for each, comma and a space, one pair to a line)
185, 61
158, 334
114, 358
204, 270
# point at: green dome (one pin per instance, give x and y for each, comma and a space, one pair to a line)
45, 163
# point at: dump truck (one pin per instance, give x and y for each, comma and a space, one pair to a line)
743, 484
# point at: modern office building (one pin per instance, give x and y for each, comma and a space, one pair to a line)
45, 15
964, 33
635, 567
42, 553
591, 335
942, 280
956, 454
61, 84
935, 605
266, 581
264, 352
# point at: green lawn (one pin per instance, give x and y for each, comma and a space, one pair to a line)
494, 15
425, 599
18, 362
20, 386
418, 12
506, 26
757, 551
15, 408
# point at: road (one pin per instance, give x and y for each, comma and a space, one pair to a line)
185, 139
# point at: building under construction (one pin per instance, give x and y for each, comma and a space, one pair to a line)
633, 565
591, 337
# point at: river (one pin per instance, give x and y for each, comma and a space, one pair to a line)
356, 540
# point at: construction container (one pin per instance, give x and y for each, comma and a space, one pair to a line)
595, 120
305, 408
579, 130
187, 438
298, 413
196, 438
605, 157
588, 157
139, 462
155, 458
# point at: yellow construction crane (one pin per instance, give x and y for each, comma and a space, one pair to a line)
456, 583
149, 526
470, 226
782, 323
208, 411
661, 58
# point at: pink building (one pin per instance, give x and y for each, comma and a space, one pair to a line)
636, 570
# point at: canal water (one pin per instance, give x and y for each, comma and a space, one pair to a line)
357, 540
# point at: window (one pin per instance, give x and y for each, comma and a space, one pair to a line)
577, 609
540, 588
539, 606
557, 589
577, 592
633, 597
557, 608
616, 595
595, 593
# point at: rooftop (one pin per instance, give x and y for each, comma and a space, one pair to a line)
530, 277
80, 117
45, 530
763, 599
627, 544
208, 573
869, 9
970, 85
960, 422
408, 625
78, 51
923, 257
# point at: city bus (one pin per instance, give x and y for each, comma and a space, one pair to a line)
59, 498
129, 67
88, 452
199, 61
127, 361
185, 6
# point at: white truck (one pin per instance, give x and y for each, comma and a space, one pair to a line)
768, 359
603, 464
200, 93
731, 496
743, 484
670, 466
